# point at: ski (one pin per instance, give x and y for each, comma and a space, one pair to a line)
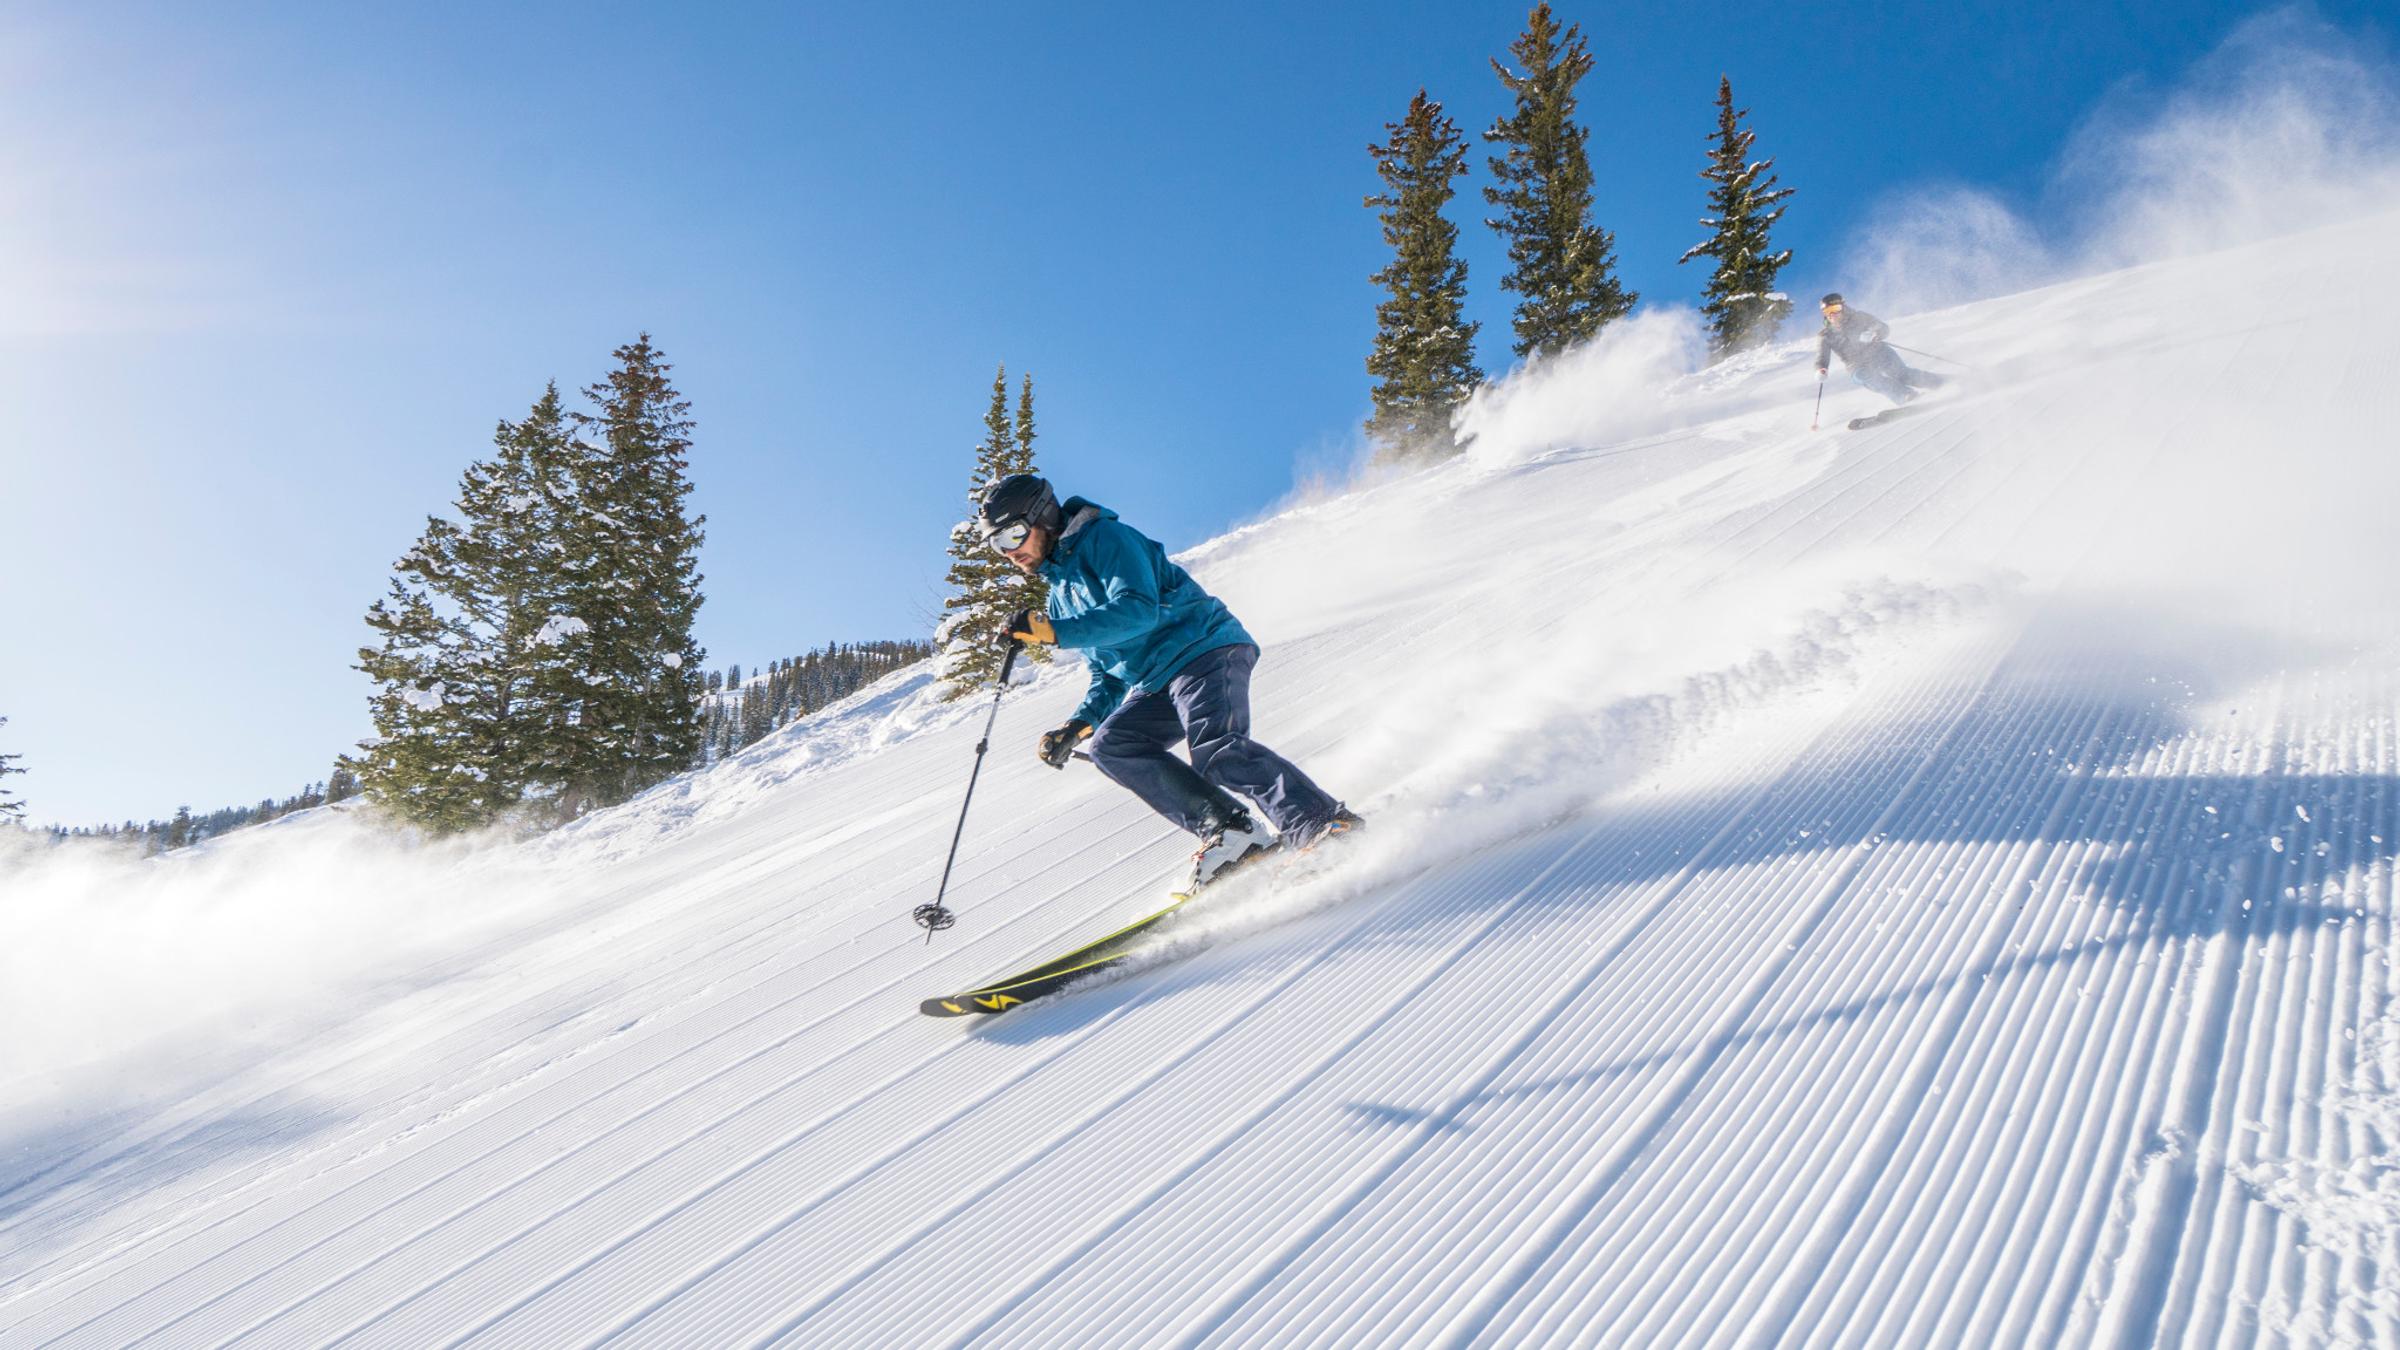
1027, 985
1877, 419
1135, 939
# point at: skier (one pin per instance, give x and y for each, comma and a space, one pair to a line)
1858, 336
1169, 663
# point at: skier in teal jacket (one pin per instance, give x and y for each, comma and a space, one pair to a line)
1168, 663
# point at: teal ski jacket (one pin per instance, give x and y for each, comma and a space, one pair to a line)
1138, 618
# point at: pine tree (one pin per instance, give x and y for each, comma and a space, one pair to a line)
633, 589
1424, 356
1564, 266
417, 762
1024, 427
1743, 306
11, 805
511, 588
468, 714
986, 589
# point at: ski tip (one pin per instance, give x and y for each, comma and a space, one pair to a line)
968, 1005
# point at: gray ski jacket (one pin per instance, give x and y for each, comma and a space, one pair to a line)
1857, 332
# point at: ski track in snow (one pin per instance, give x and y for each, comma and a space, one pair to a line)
1819, 893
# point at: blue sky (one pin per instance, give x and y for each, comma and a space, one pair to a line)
269, 274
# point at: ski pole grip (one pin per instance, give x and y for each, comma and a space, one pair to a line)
1008, 662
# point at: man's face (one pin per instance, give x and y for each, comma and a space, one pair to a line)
1833, 315
1028, 555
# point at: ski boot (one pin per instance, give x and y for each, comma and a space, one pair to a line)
1234, 843
1344, 823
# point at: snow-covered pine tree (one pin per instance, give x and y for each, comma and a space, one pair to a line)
511, 588
1563, 265
1024, 427
11, 805
758, 717
419, 762
634, 587
1743, 306
985, 588
466, 712
1424, 354
1035, 590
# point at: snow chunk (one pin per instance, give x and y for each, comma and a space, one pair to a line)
559, 629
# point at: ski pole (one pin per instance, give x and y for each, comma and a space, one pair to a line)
1813, 412
933, 918
1928, 356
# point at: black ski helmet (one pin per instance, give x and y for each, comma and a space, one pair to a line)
1020, 496
1832, 298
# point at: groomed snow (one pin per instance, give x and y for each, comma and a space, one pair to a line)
1925, 886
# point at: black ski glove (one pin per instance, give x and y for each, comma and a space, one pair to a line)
1059, 746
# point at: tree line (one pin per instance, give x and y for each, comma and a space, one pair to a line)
741, 712
1562, 265
737, 711
188, 827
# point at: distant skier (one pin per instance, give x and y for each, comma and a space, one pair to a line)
1169, 663
1858, 337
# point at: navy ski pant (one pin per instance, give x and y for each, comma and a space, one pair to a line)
1880, 368
1207, 703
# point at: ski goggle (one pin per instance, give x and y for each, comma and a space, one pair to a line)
1008, 538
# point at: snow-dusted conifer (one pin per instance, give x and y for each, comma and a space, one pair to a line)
985, 588
1743, 306
513, 589
418, 764
469, 715
1424, 354
1563, 265
1024, 426
634, 587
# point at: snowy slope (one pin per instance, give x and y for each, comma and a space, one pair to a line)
1925, 886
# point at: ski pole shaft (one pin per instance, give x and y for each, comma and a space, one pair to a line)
1815, 412
1928, 356
933, 918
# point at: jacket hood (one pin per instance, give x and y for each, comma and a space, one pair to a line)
1079, 513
